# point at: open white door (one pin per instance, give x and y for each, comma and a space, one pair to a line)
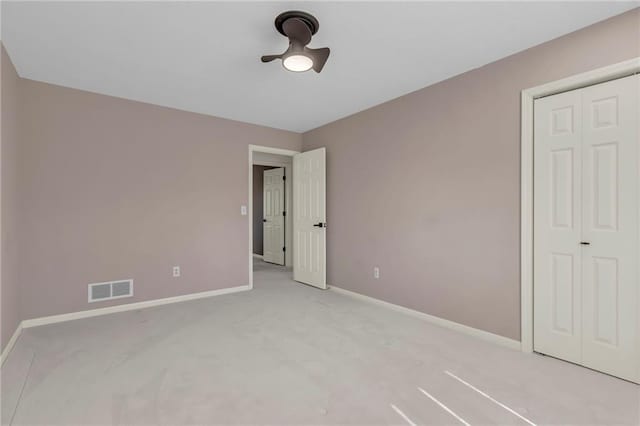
273, 216
309, 218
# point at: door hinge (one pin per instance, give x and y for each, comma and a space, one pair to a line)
284, 249
284, 178
284, 213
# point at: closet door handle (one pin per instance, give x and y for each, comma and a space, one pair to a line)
585, 243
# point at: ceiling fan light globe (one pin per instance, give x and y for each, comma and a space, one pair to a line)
297, 63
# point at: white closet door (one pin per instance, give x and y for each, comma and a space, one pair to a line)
273, 216
309, 218
557, 226
610, 224
587, 227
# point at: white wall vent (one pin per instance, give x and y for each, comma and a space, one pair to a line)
110, 290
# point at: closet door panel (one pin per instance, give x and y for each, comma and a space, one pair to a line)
557, 218
610, 212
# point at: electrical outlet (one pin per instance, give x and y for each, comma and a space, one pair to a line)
176, 271
376, 272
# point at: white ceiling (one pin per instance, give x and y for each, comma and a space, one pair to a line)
205, 57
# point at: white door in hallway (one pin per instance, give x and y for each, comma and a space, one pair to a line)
273, 216
309, 218
586, 227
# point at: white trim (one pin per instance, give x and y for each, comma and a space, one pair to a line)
129, 306
10, 344
599, 75
258, 256
484, 335
268, 150
273, 163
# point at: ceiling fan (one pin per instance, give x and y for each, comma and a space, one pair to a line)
299, 27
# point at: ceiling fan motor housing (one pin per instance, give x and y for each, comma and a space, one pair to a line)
308, 19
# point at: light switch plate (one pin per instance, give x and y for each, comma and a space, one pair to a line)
243, 210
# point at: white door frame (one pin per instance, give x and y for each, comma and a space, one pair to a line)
599, 75
267, 150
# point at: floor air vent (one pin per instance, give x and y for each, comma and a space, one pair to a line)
110, 290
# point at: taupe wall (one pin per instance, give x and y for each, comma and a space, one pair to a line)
427, 186
258, 180
113, 189
9, 209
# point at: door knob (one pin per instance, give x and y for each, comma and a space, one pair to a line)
320, 225
264, 220
585, 243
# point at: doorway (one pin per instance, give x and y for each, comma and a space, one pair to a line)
301, 224
271, 200
269, 214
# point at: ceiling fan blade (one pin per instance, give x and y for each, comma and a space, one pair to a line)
297, 30
319, 57
269, 58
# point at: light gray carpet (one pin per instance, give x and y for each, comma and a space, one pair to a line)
286, 353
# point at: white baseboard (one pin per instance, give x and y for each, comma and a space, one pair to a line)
485, 335
129, 307
258, 256
10, 343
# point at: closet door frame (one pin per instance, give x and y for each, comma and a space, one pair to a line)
611, 72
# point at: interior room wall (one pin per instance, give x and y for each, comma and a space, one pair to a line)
258, 192
114, 189
427, 186
9, 298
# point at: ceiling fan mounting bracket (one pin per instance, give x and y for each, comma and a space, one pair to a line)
309, 20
